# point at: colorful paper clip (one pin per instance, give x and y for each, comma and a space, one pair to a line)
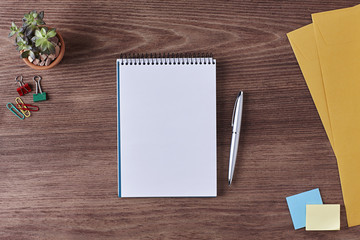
24, 88
25, 108
37, 97
15, 111
19, 101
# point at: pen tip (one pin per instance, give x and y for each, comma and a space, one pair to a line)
229, 182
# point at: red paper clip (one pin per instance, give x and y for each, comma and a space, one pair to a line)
28, 107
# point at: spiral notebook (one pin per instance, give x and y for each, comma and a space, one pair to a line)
166, 121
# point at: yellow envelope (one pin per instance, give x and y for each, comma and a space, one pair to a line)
304, 44
323, 217
337, 35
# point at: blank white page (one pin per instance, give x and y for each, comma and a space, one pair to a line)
167, 130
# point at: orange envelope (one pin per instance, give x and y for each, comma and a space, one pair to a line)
328, 53
337, 35
303, 43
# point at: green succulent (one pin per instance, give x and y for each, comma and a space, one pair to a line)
22, 45
32, 39
13, 29
41, 39
33, 19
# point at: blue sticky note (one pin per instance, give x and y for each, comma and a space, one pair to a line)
297, 206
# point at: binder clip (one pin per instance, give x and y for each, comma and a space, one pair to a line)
24, 88
37, 97
15, 111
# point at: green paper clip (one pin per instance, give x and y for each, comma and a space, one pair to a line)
37, 97
15, 111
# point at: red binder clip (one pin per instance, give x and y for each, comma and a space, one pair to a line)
24, 88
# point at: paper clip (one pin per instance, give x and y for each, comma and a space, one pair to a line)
15, 111
20, 102
24, 88
27, 107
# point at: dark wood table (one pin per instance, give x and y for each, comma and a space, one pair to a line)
58, 169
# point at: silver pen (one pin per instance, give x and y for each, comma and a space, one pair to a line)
236, 124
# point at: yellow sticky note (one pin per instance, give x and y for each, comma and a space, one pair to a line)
323, 217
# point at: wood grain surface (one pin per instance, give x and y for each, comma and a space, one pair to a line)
58, 169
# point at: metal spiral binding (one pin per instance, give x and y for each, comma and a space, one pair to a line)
167, 59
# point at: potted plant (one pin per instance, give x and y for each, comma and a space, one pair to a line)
40, 46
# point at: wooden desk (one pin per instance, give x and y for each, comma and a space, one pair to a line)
58, 169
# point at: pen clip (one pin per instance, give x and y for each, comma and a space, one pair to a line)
236, 102
232, 119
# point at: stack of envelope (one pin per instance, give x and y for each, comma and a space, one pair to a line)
328, 52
